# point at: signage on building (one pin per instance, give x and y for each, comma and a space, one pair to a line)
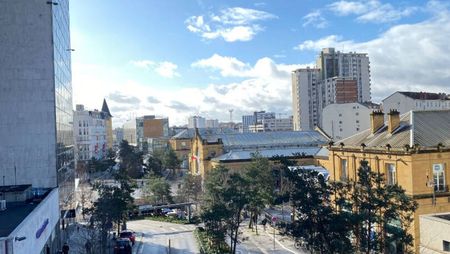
41, 229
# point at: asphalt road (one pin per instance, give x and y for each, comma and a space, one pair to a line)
154, 237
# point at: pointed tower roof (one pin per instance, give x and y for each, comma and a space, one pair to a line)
105, 108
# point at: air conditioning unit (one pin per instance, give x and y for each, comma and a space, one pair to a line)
2, 205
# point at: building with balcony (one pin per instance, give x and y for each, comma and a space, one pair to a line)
412, 150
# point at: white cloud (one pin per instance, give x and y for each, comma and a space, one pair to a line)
315, 19
164, 69
167, 69
405, 57
232, 24
232, 67
371, 11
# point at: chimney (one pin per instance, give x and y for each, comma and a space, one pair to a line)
393, 120
376, 120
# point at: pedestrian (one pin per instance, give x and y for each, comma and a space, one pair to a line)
65, 248
47, 249
78, 228
264, 222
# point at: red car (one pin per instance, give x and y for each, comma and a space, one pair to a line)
128, 234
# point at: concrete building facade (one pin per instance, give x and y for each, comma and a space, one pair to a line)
353, 65
305, 98
130, 132
407, 101
344, 120
272, 124
90, 133
435, 233
212, 123
196, 122
36, 102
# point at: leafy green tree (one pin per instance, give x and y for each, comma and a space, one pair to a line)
158, 190
131, 160
261, 187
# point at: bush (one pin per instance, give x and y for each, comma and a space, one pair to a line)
204, 242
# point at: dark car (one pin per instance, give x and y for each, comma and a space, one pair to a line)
123, 246
128, 234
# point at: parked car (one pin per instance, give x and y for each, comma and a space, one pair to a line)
123, 246
128, 234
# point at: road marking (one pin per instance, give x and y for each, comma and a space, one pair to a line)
278, 242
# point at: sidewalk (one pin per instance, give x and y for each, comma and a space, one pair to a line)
78, 238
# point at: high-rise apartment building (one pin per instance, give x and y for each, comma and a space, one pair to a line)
339, 78
354, 65
305, 98
196, 122
212, 123
36, 155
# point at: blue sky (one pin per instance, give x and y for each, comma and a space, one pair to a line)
178, 58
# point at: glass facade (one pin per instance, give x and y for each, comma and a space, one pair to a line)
65, 161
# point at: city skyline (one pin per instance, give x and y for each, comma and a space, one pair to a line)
180, 59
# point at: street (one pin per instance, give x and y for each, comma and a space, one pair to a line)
154, 237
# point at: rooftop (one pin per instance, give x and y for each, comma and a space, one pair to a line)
263, 140
189, 133
426, 96
267, 153
423, 128
14, 214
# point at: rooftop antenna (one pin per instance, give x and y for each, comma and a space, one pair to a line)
231, 115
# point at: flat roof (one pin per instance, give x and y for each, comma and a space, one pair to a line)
14, 188
14, 214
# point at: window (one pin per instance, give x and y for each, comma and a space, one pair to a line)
446, 246
344, 170
438, 177
391, 173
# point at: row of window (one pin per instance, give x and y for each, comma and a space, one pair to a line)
438, 181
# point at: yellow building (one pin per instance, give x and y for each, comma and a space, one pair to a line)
412, 150
181, 143
108, 125
235, 150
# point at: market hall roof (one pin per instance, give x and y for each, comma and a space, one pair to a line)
268, 140
422, 128
190, 133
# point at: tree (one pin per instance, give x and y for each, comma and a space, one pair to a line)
225, 198
376, 206
167, 159
191, 187
131, 160
261, 187
214, 211
158, 190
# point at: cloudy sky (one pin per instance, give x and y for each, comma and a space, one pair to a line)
177, 58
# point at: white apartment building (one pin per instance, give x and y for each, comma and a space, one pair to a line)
272, 124
354, 65
89, 130
129, 132
212, 123
196, 122
406, 101
339, 78
305, 98
256, 118
344, 120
